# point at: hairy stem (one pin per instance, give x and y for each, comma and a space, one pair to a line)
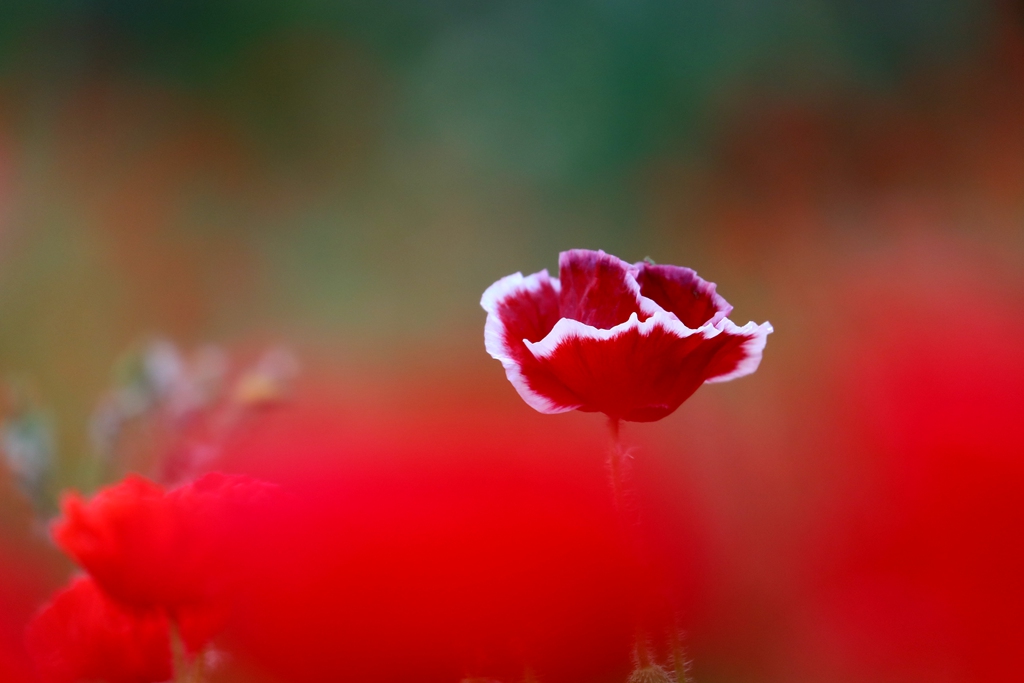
679, 660
615, 456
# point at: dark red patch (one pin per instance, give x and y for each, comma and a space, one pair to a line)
678, 290
596, 289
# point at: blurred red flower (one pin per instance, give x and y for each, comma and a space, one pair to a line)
83, 635
26, 579
460, 545
917, 573
630, 341
167, 550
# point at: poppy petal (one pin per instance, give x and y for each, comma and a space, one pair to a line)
521, 309
682, 292
599, 289
742, 358
643, 370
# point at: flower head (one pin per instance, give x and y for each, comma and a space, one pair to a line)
630, 341
83, 635
168, 550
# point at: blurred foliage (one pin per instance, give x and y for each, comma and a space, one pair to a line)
167, 415
350, 176
564, 92
28, 443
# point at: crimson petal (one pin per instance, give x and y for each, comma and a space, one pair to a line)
681, 292
521, 309
598, 289
643, 371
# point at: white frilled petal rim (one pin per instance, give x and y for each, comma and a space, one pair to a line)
566, 328
514, 283
757, 337
494, 335
753, 348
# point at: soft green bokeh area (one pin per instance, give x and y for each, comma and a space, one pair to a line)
348, 177
363, 170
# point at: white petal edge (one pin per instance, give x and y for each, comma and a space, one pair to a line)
566, 329
494, 334
753, 348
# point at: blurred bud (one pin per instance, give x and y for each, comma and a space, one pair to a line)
198, 385
105, 426
27, 438
163, 366
169, 414
147, 375
143, 378
156, 381
267, 382
254, 390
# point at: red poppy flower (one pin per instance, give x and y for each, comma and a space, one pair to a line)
171, 550
26, 579
630, 341
83, 635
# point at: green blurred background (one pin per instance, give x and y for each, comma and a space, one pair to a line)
351, 175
